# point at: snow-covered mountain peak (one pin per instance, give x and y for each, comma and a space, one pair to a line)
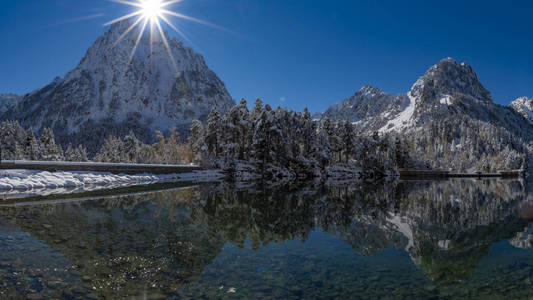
369, 107
448, 90
122, 48
523, 106
369, 91
113, 91
449, 79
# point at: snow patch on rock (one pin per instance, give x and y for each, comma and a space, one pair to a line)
523, 106
446, 100
403, 119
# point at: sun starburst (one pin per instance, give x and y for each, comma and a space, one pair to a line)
151, 13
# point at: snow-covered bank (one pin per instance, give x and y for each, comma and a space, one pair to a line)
24, 180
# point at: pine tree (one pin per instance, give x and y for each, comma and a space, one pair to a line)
70, 153
213, 133
48, 149
256, 110
159, 148
243, 128
131, 148
11, 137
112, 151
147, 154
197, 142
82, 154
266, 138
172, 147
347, 136
308, 132
31, 146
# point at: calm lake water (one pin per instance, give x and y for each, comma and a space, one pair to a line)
441, 239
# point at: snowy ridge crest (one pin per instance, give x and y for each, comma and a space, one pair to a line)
107, 94
369, 108
446, 90
449, 78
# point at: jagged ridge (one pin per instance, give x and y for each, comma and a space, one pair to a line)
447, 89
105, 96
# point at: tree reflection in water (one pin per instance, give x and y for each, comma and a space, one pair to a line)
159, 242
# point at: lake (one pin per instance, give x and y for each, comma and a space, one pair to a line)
408, 239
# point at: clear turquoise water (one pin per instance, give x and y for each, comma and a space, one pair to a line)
449, 239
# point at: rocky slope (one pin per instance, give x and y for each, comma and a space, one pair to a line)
447, 89
104, 95
370, 108
447, 120
7, 101
523, 106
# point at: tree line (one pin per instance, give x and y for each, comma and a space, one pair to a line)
467, 145
279, 142
19, 144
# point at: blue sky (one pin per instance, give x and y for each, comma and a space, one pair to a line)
293, 53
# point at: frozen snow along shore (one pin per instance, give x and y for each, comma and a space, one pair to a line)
24, 180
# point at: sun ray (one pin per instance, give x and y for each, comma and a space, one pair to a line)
168, 3
126, 32
143, 27
151, 37
129, 16
166, 20
180, 32
127, 2
166, 44
188, 18
150, 13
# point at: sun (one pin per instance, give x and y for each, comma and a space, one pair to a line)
150, 13
151, 9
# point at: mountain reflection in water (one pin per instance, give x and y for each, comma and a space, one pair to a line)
457, 238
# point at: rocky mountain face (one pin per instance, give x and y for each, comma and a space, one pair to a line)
7, 101
523, 106
106, 94
447, 89
451, 90
446, 120
369, 108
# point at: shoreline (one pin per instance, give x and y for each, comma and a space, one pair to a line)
39, 182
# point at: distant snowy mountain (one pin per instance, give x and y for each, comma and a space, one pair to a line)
7, 101
370, 108
447, 119
447, 89
523, 106
317, 116
104, 95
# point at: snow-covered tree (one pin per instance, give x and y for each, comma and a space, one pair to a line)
347, 138
197, 142
49, 151
112, 151
131, 148
31, 146
78, 154
213, 134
